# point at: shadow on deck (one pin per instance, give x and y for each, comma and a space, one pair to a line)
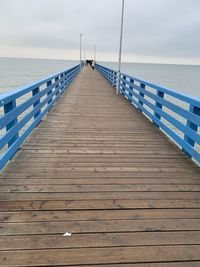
97, 168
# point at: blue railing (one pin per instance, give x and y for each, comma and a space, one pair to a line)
176, 114
23, 108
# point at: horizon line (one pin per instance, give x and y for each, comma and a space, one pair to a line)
126, 62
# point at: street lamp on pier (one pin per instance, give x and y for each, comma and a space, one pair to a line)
81, 50
120, 49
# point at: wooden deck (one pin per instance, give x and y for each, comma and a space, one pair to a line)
97, 168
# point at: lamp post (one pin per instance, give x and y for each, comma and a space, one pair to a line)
80, 50
95, 47
92, 53
84, 58
120, 49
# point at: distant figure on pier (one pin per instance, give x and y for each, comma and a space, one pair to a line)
87, 62
93, 64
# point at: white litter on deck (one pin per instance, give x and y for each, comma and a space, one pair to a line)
67, 234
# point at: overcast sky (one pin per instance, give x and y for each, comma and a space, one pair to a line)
166, 31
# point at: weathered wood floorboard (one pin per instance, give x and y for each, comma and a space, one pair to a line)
97, 168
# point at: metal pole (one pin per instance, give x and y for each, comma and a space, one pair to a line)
80, 50
120, 49
95, 52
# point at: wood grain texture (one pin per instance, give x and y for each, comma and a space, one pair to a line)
97, 168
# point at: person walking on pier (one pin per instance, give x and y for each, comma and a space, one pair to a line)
93, 64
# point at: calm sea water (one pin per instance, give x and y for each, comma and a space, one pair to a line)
183, 78
17, 72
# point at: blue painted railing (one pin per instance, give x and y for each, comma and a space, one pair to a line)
176, 114
23, 108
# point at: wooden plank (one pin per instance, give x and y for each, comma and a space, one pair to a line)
100, 196
124, 161
101, 169
61, 164
98, 240
100, 255
100, 188
97, 204
102, 150
71, 215
33, 157
118, 226
96, 181
99, 175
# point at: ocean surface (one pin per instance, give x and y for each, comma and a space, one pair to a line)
183, 78
16, 72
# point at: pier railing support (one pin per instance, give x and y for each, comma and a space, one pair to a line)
8, 107
142, 86
159, 105
35, 92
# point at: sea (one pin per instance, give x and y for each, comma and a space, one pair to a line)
15, 72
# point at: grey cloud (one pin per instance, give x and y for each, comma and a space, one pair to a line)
157, 28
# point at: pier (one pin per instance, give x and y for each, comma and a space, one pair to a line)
95, 167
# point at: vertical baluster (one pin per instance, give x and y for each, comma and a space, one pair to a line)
142, 86
161, 95
56, 79
62, 87
123, 86
119, 82
115, 79
7, 108
66, 79
36, 91
49, 92
195, 110
131, 88
112, 78
109, 76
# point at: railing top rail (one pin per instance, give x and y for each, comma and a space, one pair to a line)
22, 90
